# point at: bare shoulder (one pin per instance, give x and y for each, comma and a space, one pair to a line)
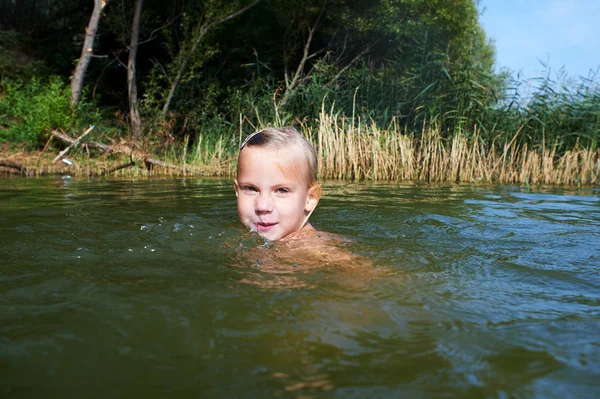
321, 248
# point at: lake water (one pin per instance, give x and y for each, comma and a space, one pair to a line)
124, 289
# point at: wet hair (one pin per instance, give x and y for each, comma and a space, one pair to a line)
285, 137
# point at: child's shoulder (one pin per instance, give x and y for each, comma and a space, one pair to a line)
309, 237
320, 247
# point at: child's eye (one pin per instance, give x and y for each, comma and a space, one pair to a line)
282, 190
249, 189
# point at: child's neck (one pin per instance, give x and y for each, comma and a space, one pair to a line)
299, 234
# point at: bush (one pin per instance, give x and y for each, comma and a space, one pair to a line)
31, 110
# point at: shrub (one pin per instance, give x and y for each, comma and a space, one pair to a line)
31, 110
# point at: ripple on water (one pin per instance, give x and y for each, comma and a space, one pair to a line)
474, 292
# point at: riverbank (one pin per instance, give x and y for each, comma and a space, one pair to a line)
345, 152
38, 163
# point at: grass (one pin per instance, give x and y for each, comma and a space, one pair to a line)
364, 151
353, 148
542, 132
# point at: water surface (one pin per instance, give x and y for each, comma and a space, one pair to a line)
149, 288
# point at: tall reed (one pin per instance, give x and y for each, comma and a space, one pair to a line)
362, 150
359, 149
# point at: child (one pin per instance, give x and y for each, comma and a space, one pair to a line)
277, 191
276, 185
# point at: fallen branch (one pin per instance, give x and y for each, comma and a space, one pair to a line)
73, 144
13, 165
126, 165
136, 156
91, 144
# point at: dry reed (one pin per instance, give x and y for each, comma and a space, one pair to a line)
364, 151
350, 148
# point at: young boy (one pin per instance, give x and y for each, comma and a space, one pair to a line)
276, 185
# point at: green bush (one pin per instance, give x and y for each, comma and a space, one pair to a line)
30, 111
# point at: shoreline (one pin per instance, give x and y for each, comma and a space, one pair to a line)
39, 164
33, 164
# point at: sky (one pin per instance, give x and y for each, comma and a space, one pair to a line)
557, 32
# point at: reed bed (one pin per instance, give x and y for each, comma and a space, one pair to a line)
364, 151
355, 149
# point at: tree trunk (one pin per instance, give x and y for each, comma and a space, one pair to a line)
180, 71
185, 60
86, 51
134, 113
292, 85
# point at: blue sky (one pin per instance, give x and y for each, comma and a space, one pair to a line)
561, 32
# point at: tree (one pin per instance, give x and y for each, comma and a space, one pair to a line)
330, 35
86, 51
202, 28
134, 113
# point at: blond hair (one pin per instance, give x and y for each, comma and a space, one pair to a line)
285, 137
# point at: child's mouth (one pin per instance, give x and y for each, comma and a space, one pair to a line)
264, 226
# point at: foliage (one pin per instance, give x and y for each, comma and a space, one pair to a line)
33, 109
559, 112
422, 65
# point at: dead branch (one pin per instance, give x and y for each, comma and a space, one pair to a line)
137, 156
125, 165
73, 144
341, 72
13, 165
292, 84
202, 31
152, 37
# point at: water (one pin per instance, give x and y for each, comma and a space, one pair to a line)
148, 289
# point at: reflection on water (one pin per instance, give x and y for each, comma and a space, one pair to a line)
152, 288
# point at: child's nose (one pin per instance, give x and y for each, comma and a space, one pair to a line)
264, 204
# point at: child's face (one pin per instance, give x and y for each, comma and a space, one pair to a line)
272, 192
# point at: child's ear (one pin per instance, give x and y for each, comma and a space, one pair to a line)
235, 187
313, 197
